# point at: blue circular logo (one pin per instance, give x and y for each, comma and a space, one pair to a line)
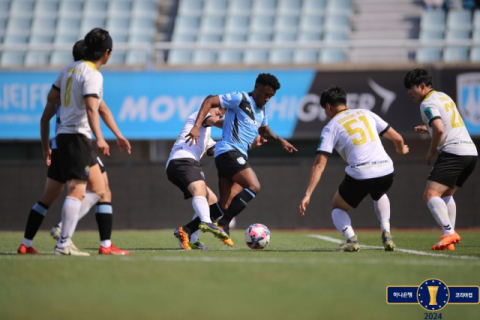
433, 295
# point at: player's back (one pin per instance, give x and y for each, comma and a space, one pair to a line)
357, 139
455, 138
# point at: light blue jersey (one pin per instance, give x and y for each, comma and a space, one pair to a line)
57, 124
242, 120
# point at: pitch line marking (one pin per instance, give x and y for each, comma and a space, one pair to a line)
420, 253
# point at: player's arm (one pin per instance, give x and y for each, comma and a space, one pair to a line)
107, 117
214, 121
91, 104
194, 135
54, 95
47, 115
421, 129
315, 175
259, 140
397, 140
269, 135
437, 133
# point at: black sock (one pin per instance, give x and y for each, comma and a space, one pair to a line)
104, 219
192, 226
35, 219
215, 211
239, 202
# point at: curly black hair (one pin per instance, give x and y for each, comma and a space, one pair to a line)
335, 96
268, 79
416, 77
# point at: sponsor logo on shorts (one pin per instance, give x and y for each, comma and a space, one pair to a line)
87, 171
203, 175
428, 113
241, 161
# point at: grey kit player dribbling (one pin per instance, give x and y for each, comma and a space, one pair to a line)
355, 134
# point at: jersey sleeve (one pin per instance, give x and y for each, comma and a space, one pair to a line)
57, 82
327, 141
204, 122
230, 100
93, 85
264, 121
429, 112
381, 125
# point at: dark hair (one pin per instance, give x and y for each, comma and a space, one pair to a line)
78, 50
95, 44
416, 77
335, 96
268, 79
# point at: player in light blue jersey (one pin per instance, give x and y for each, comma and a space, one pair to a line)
245, 119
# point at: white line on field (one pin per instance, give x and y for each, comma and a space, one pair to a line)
420, 253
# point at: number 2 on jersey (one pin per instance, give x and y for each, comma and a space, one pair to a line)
455, 113
67, 91
351, 131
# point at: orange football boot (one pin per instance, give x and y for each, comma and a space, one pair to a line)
450, 247
228, 241
113, 250
446, 240
23, 249
183, 238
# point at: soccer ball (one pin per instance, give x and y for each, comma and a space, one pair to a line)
257, 236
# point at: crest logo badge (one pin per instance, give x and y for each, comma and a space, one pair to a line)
468, 96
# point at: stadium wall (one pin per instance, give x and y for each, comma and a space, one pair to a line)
143, 198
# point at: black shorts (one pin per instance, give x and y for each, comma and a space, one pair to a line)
353, 191
182, 172
230, 163
75, 156
55, 172
452, 170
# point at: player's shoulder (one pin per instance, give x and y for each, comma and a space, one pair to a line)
234, 96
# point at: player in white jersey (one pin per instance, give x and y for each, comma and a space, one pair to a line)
79, 89
355, 134
184, 170
457, 153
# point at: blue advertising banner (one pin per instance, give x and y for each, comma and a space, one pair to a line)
148, 105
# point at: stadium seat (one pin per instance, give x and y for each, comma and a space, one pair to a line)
237, 24
186, 24
314, 7
428, 54
289, 7
264, 7
240, 7
338, 6
117, 58
204, 57
12, 58
23, 8
234, 37
284, 37
476, 34
212, 24
230, 56
457, 35
426, 35
182, 38
302, 56
36, 58
15, 39
286, 23
118, 36
176, 57
135, 57
66, 38
144, 8
18, 26
61, 58
140, 38
209, 37
4, 8
45, 8
476, 19
333, 36
43, 25
119, 9
3, 26
87, 24
144, 25
215, 7
70, 9
95, 8
281, 56
475, 54
259, 37
433, 20
190, 7
455, 54
337, 22
256, 56
459, 20
40, 38
332, 55
262, 23
309, 36
68, 26
311, 23
117, 24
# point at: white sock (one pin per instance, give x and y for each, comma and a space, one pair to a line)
27, 243
452, 209
439, 210
70, 210
382, 209
194, 236
106, 243
342, 222
200, 205
87, 203
60, 224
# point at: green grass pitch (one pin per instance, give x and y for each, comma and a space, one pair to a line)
296, 277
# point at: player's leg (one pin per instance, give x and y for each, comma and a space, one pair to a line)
52, 191
381, 203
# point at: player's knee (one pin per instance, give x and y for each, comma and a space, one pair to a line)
428, 194
99, 193
107, 196
255, 188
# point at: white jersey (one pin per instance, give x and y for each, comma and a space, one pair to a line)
455, 138
181, 148
77, 81
355, 134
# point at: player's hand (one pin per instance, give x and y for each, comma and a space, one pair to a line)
429, 156
103, 147
405, 150
194, 135
303, 205
259, 140
288, 146
421, 129
123, 143
47, 154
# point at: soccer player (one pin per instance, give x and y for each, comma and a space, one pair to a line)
457, 158
355, 134
245, 118
79, 88
55, 181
